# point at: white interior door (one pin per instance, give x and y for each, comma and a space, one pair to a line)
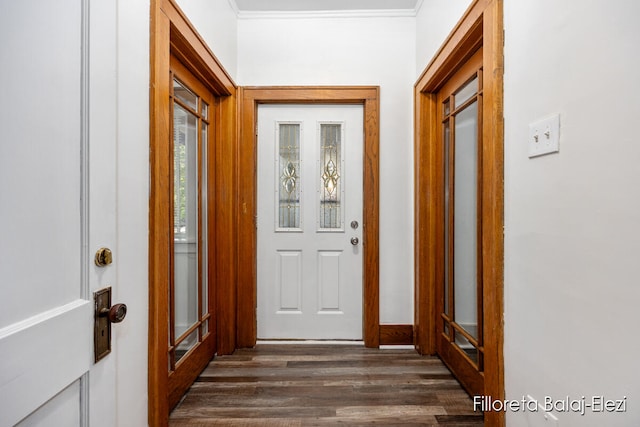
310, 221
57, 207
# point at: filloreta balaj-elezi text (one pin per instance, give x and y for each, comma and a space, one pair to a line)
581, 405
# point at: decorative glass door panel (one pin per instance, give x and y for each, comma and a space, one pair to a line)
330, 217
460, 321
288, 184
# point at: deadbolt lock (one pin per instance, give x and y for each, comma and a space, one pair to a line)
104, 257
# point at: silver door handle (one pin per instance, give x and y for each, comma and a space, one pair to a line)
354, 241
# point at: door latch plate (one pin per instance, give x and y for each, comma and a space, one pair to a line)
102, 325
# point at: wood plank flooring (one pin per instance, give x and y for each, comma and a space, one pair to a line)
325, 385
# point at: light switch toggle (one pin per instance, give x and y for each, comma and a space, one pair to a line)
544, 136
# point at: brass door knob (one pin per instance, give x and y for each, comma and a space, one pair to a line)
116, 313
104, 257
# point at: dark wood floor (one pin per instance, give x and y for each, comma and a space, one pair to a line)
323, 385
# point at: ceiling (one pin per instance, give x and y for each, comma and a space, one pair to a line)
323, 5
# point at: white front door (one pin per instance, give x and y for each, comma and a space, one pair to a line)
57, 208
310, 221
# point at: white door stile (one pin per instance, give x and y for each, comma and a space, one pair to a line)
102, 194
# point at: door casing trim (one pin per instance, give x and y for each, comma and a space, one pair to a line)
481, 25
250, 98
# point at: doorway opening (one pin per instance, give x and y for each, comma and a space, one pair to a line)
251, 98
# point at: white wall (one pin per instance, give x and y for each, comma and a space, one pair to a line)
573, 219
434, 22
216, 22
354, 51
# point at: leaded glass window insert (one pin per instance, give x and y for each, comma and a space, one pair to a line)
288, 176
331, 185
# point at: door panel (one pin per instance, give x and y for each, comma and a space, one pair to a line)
62, 410
28, 120
460, 312
192, 201
309, 191
57, 206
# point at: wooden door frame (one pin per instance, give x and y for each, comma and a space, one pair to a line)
250, 98
481, 25
171, 33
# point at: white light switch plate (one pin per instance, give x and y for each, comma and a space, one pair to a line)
544, 136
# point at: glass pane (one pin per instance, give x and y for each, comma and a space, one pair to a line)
466, 346
205, 328
204, 226
331, 186
185, 204
465, 92
204, 110
447, 210
465, 201
445, 106
189, 342
185, 95
289, 176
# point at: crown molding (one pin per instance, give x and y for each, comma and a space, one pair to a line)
417, 8
316, 14
360, 13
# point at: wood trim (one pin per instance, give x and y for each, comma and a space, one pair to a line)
461, 43
493, 212
396, 334
172, 33
192, 50
226, 223
369, 97
158, 238
481, 25
428, 261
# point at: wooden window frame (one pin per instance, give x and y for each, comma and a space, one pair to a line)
250, 98
171, 33
481, 25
